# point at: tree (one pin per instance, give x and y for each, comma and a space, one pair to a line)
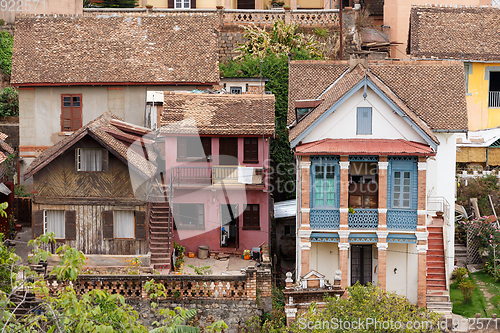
6, 42
9, 102
271, 49
95, 311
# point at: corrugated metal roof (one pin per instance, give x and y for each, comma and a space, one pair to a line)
286, 208
364, 147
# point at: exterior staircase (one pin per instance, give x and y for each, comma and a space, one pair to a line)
160, 234
461, 255
438, 299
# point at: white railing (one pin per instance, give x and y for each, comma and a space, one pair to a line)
439, 204
494, 99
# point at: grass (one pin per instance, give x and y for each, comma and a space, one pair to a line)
477, 303
493, 287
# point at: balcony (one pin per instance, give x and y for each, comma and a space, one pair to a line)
363, 218
327, 219
494, 99
402, 220
216, 175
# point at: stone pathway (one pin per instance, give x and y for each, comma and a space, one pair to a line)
486, 293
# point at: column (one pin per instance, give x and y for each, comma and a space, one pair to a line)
382, 192
422, 194
305, 252
305, 167
382, 258
293, 4
258, 4
227, 4
344, 257
422, 273
344, 192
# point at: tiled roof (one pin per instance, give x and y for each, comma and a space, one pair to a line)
115, 48
364, 147
432, 94
218, 114
96, 129
464, 33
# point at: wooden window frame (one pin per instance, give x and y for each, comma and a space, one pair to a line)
45, 211
206, 144
246, 158
251, 217
72, 111
104, 157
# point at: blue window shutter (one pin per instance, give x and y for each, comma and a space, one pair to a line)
414, 185
364, 121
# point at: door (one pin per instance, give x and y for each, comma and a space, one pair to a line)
361, 264
246, 4
229, 226
228, 151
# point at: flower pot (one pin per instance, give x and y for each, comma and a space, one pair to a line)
439, 213
247, 257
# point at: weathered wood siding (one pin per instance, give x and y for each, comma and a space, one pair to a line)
60, 178
90, 226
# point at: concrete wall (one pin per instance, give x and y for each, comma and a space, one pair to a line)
397, 17
403, 258
12, 8
479, 115
386, 124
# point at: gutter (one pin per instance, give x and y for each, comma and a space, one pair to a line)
450, 131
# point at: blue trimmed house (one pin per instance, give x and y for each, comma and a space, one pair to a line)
375, 150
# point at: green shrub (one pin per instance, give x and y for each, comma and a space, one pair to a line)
460, 273
21, 191
9, 102
6, 42
466, 286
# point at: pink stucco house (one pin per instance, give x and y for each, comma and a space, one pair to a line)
217, 167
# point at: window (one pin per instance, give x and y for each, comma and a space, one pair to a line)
363, 184
364, 121
89, 159
54, 222
193, 147
401, 194
235, 90
251, 150
71, 112
494, 90
324, 185
301, 113
468, 70
251, 217
182, 4
123, 224
189, 216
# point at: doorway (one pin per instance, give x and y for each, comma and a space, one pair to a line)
229, 236
361, 264
228, 151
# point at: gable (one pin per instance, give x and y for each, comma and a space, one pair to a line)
386, 123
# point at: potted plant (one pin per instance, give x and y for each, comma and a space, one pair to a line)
179, 256
277, 4
148, 6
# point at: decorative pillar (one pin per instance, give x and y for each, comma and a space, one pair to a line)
305, 251
305, 167
382, 258
344, 192
382, 192
344, 256
422, 197
258, 4
422, 273
291, 313
227, 4
293, 4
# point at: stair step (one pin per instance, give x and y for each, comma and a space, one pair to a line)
435, 270
436, 282
436, 287
437, 298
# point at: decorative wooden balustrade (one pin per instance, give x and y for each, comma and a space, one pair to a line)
230, 287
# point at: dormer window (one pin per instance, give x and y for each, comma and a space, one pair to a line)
304, 107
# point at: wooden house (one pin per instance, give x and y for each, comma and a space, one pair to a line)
85, 190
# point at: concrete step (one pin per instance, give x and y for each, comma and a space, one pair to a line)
437, 298
436, 270
433, 287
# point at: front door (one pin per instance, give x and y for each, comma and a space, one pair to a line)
229, 226
361, 264
228, 151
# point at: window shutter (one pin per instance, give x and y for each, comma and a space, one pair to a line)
193, 4
37, 223
207, 146
108, 224
170, 3
201, 215
140, 225
364, 121
251, 148
255, 217
76, 118
105, 155
70, 224
181, 147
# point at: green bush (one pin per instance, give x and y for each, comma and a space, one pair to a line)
9, 102
21, 191
6, 42
466, 286
479, 188
459, 273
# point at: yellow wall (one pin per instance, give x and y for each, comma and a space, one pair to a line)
480, 116
206, 4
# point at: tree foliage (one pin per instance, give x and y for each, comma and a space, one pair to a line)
270, 50
6, 42
9, 102
479, 188
95, 311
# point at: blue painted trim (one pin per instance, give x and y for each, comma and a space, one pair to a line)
409, 164
324, 237
360, 235
346, 96
324, 234
363, 158
363, 238
401, 236
489, 69
324, 160
401, 239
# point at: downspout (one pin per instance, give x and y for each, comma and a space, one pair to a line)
298, 239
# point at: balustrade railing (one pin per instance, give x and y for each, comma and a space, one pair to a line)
494, 99
217, 175
363, 218
324, 219
402, 219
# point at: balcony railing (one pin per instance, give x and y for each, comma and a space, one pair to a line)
217, 175
324, 219
363, 218
402, 219
494, 99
